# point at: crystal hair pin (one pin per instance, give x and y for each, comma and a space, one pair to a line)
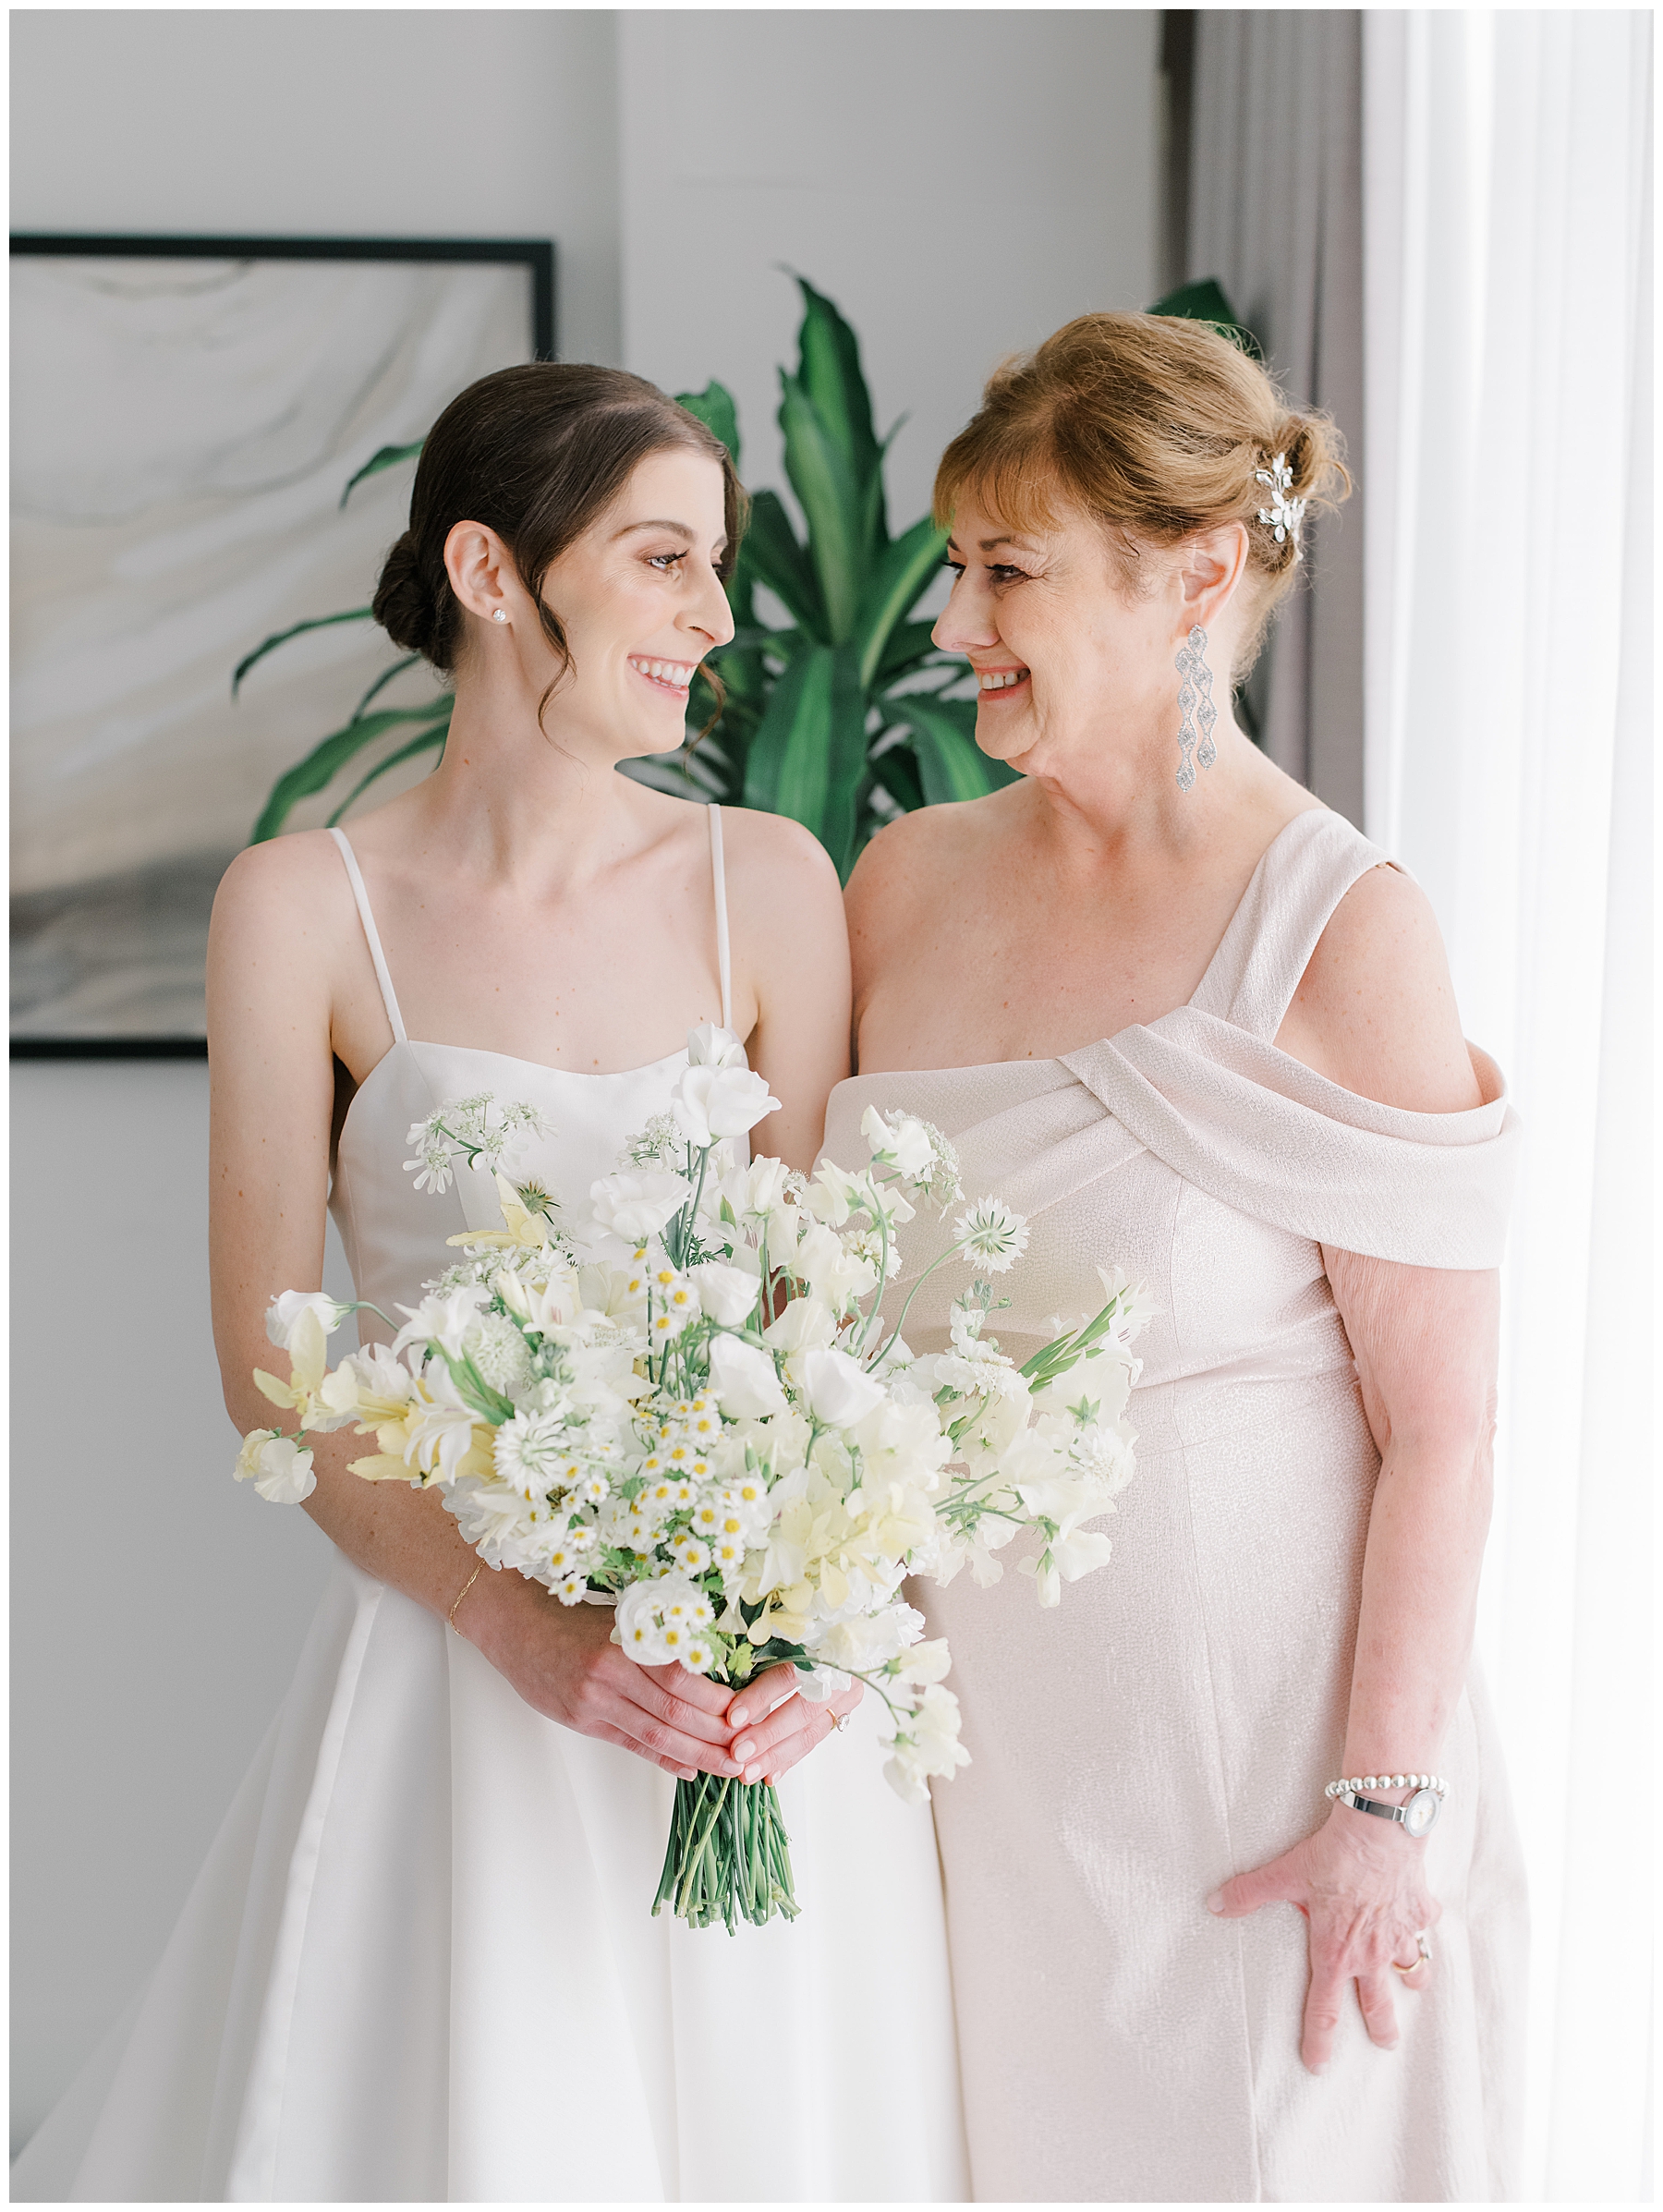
1285, 514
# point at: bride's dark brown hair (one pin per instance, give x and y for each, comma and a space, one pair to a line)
535, 454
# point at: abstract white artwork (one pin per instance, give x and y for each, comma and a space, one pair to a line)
182, 433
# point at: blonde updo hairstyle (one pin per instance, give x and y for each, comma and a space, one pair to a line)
1156, 427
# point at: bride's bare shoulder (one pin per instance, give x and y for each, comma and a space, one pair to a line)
283, 912
297, 875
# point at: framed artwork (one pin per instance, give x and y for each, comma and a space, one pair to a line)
186, 414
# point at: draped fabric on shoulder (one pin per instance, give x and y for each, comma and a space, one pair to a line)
1174, 1720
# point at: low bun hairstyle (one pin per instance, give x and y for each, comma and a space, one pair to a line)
536, 453
1156, 426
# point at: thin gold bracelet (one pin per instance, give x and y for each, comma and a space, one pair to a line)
462, 1593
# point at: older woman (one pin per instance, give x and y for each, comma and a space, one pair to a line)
1196, 1025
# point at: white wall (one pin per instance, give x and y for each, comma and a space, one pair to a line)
157, 1605
961, 182
351, 122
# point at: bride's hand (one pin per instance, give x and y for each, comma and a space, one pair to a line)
1365, 1895
563, 1663
787, 1726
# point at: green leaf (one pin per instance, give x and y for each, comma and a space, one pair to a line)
950, 765
893, 590
808, 755
382, 680
714, 407
831, 497
897, 771
327, 759
911, 647
424, 741
1204, 301
773, 555
318, 622
831, 375
388, 457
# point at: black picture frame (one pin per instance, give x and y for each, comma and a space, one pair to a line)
537, 256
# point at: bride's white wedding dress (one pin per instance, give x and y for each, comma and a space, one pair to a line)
420, 1964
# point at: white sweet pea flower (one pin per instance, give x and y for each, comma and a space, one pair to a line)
834, 1194
807, 1325
925, 1664
863, 1645
838, 1389
278, 1467
744, 1380
755, 1192
443, 1320
926, 1743
636, 1202
1065, 1559
902, 1142
284, 1313
728, 1294
710, 1103
830, 1270
712, 1046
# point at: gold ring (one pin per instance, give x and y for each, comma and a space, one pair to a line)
1424, 1959
840, 1722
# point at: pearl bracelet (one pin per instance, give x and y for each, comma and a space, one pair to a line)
1388, 1782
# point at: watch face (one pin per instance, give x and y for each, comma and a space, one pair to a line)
1421, 1811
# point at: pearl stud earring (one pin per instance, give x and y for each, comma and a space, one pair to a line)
497, 614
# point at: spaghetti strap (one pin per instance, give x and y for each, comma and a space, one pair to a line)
361, 897
719, 880
1303, 875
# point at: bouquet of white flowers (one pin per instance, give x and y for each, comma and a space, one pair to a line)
688, 1402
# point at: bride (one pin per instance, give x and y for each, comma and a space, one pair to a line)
419, 1962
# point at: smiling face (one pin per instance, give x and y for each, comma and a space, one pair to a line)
641, 602
1065, 660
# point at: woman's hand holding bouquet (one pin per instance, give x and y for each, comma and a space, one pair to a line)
688, 1403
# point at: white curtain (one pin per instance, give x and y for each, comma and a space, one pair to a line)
1508, 710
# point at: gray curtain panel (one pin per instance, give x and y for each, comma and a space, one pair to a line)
1276, 215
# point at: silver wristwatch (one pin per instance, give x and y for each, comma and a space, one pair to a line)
1417, 1815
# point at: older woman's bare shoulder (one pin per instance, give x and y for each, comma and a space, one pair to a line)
913, 857
1375, 1010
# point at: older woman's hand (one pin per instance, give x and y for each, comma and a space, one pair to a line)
1366, 1898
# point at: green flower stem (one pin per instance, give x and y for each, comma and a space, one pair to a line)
952, 1252
728, 1857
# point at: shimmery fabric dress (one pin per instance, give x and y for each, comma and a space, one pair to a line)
420, 1964
1174, 1720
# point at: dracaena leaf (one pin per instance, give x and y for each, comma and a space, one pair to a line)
893, 589
389, 456
318, 622
772, 556
326, 759
831, 375
431, 740
714, 407
830, 500
950, 765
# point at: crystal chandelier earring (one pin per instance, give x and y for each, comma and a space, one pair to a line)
1194, 704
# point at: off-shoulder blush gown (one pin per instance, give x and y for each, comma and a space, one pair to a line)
1174, 1720
420, 1962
